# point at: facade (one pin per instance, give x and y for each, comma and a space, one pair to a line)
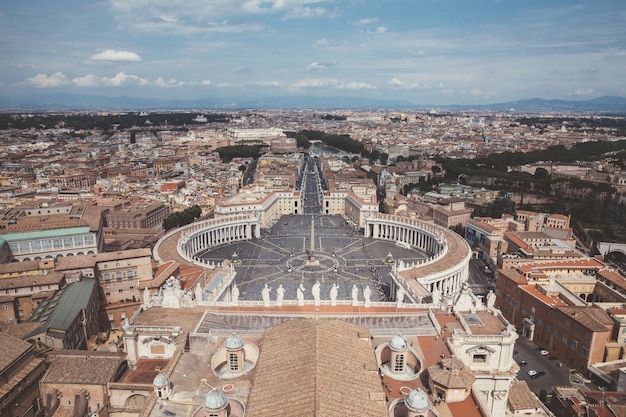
145, 215
21, 367
69, 318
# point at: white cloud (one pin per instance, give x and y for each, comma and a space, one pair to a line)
315, 83
269, 83
304, 13
88, 80
321, 42
205, 82
161, 82
224, 85
45, 81
122, 79
366, 21
399, 83
111, 55
357, 86
380, 30
583, 91
241, 68
320, 65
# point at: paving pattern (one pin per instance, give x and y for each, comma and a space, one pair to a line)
345, 257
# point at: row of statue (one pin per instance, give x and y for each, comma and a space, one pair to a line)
315, 292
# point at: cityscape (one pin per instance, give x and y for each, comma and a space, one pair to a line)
313, 262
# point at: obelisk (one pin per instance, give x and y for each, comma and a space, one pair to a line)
311, 256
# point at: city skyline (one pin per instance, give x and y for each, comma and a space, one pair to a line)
421, 52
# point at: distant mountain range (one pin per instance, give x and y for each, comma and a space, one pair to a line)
66, 101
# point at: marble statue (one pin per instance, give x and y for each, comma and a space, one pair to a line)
234, 295
280, 294
491, 299
265, 293
300, 295
197, 293
367, 293
334, 290
355, 295
315, 290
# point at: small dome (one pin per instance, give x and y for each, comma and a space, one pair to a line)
161, 381
234, 341
398, 343
215, 400
417, 400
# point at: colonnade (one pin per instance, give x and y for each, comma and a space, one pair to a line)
443, 273
417, 237
220, 232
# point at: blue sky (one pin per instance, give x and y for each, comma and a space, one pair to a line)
422, 51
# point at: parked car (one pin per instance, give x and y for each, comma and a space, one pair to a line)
523, 363
544, 352
532, 373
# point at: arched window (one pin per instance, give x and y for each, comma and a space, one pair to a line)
399, 363
129, 273
107, 276
233, 362
118, 275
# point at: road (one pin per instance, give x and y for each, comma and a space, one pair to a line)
479, 281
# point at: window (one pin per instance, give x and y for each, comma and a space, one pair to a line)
574, 344
585, 352
129, 273
233, 360
480, 358
399, 363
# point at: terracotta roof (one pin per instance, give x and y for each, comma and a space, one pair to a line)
11, 348
451, 373
521, 397
593, 318
83, 367
316, 368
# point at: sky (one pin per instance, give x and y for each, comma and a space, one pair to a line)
421, 51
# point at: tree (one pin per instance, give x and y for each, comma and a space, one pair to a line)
541, 173
500, 206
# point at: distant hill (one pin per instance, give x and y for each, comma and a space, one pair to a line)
66, 101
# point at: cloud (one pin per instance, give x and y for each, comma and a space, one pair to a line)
44, 81
399, 83
304, 13
122, 79
380, 30
477, 92
321, 65
583, 91
205, 82
315, 83
268, 83
88, 80
241, 68
321, 42
366, 21
357, 86
161, 82
111, 55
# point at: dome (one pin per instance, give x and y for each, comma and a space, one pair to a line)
234, 341
398, 343
161, 381
417, 400
215, 400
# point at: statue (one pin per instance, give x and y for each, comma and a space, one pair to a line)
436, 296
265, 293
355, 295
399, 297
197, 294
300, 295
315, 290
146, 298
334, 290
491, 299
280, 294
234, 295
367, 293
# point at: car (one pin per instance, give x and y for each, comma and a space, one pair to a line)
532, 373
601, 388
544, 352
523, 363
540, 374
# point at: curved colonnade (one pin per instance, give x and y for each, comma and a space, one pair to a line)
447, 267
444, 271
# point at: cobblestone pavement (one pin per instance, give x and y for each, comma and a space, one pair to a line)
341, 256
